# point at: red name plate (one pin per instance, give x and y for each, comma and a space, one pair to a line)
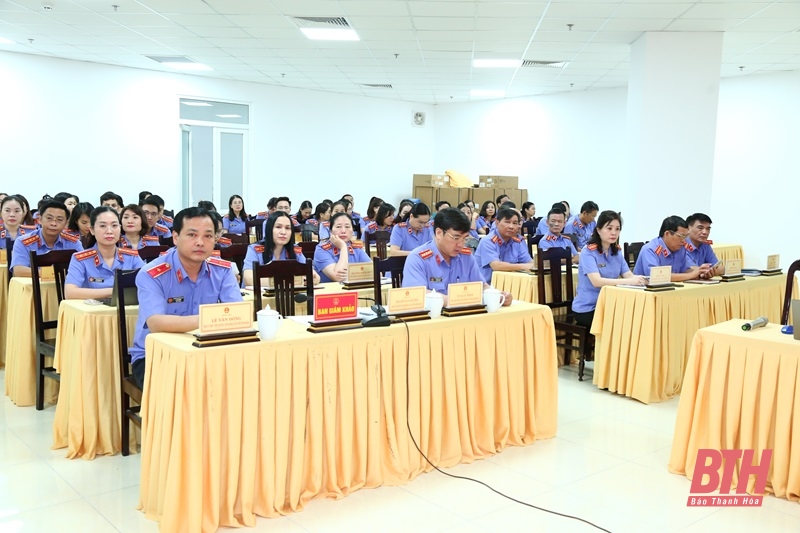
338, 306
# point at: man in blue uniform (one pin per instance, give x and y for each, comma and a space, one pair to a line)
50, 236
444, 259
152, 207
172, 287
698, 246
542, 227
668, 250
553, 238
503, 249
582, 225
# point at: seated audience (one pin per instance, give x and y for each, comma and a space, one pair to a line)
553, 238
466, 208
91, 272
402, 210
372, 212
304, 213
583, 224
278, 245
45, 239
412, 232
173, 286
112, 200
151, 207
483, 223
698, 246
503, 249
503, 198
542, 227
79, 222
235, 221
528, 222
134, 229
13, 215
69, 200
668, 250
332, 257
601, 264
384, 219
208, 205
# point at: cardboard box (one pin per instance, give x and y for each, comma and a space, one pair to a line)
515, 195
431, 180
426, 195
453, 196
498, 182
481, 195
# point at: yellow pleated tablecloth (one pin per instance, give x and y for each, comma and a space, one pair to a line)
242, 430
523, 286
3, 312
20, 342
741, 391
643, 338
87, 419
728, 251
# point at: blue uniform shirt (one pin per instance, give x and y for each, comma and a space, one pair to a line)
22, 231
165, 289
327, 254
698, 255
425, 266
147, 240
583, 231
159, 230
493, 248
404, 236
34, 242
593, 260
255, 252
656, 253
88, 270
165, 221
481, 222
237, 225
542, 228
551, 241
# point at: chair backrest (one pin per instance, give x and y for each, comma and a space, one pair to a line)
574, 238
59, 260
148, 253
9, 249
472, 242
235, 253
166, 241
394, 265
307, 232
533, 240
237, 239
283, 274
550, 263
256, 224
381, 240
123, 279
787, 296
308, 247
632, 251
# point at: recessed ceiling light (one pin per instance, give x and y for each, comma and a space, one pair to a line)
197, 104
3, 40
186, 66
487, 92
229, 116
330, 34
496, 63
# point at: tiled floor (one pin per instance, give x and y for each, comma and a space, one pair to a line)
607, 465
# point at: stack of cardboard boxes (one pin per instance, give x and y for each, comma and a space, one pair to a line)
433, 188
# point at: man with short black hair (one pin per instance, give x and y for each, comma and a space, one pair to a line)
698, 246
174, 286
503, 249
582, 224
554, 238
111, 200
668, 250
542, 227
50, 236
153, 206
503, 198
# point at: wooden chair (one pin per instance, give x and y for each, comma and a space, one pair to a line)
308, 231
166, 241
394, 265
632, 251
308, 247
472, 243
235, 253
566, 329
787, 296
574, 238
59, 260
237, 239
9, 250
381, 240
129, 390
257, 225
148, 253
283, 274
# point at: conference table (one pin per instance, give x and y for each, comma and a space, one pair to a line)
741, 391
87, 419
236, 431
3, 312
524, 285
20, 341
643, 338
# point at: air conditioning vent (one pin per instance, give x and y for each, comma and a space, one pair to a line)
531, 63
377, 85
321, 22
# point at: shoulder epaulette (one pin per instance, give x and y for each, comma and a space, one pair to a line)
326, 224
159, 227
403, 224
157, 270
216, 253
357, 245
262, 213
372, 225
326, 245
298, 250
86, 254
33, 227
516, 238
128, 251
497, 240
167, 219
259, 248
426, 254
225, 240
592, 246
709, 242
27, 241
466, 250
150, 238
219, 262
70, 236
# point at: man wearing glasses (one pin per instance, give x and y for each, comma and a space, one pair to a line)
49, 237
444, 259
503, 249
152, 213
668, 250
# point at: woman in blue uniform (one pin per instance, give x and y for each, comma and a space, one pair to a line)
483, 225
12, 211
412, 232
91, 272
331, 257
235, 220
384, 219
278, 245
134, 229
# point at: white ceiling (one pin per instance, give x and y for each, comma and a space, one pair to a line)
424, 49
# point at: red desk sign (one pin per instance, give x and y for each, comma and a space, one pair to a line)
337, 306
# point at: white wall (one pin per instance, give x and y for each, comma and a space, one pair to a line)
86, 128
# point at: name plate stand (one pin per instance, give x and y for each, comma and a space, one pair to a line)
408, 304
733, 271
226, 323
464, 299
773, 266
660, 279
359, 276
335, 312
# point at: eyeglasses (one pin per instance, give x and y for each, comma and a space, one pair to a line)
51, 218
681, 236
459, 240
150, 214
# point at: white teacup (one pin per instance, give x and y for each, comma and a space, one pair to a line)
434, 303
269, 321
493, 299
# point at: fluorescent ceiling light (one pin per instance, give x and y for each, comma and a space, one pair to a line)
229, 116
3, 40
197, 104
330, 34
496, 63
186, 66
487, 92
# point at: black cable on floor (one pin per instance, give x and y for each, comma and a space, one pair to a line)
408, 424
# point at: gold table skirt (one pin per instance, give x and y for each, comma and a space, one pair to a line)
260, 429
20, 342
87, 419
741, 391
523, 286
728, 251
643, 338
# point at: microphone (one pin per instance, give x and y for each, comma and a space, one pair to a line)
759, 322
381, 320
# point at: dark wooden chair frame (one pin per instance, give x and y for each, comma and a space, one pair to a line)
283, 274
129, 390
393, 265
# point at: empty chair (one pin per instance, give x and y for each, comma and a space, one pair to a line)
235, 253
632, 251
257, 225
283, 274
